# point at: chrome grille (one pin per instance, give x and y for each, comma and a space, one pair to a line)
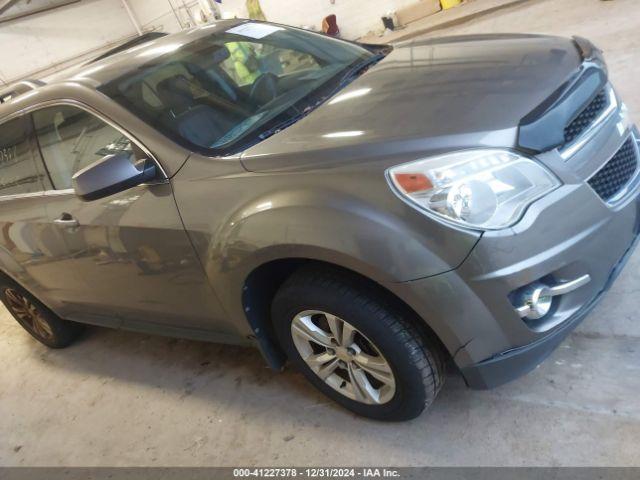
617, 172
586, 117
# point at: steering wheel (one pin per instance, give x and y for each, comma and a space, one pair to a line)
265, 88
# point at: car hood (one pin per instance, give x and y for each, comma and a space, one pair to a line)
424, 98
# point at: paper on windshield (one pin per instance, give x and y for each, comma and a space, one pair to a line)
254, 30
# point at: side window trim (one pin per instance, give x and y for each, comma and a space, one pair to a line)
37, 151
75, 103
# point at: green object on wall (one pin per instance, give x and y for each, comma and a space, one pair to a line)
255, 11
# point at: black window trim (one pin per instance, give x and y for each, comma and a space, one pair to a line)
92, 111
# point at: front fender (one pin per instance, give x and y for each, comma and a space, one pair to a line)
241, 220
324, 225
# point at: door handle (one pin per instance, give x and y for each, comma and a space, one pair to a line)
66, 220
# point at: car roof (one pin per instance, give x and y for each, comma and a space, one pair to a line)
139, 40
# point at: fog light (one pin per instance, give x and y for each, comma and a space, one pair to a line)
537, 298
537, 302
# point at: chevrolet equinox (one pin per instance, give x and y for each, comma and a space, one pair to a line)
368, 213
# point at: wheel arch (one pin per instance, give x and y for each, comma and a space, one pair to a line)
25, 282
263, 282
11, 270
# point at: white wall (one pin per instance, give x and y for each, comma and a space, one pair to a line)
41, 44
355, 17
170, 16
155, 15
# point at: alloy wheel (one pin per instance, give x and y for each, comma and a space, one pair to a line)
343, 357
28, 314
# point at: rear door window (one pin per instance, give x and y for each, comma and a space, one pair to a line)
20, 171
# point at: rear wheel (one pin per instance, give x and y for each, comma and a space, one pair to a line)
356, 347
35, 318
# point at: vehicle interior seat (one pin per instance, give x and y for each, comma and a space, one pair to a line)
197, 122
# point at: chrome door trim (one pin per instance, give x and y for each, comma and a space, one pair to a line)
4, 198
65, 191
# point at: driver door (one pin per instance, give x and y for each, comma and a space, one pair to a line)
122, 258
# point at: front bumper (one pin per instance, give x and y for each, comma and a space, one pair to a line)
514, 363
568, 234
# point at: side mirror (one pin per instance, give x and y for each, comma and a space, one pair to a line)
112, 174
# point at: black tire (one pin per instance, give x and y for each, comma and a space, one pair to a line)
416, 362
41, 323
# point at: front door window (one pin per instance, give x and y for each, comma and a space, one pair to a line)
71, 139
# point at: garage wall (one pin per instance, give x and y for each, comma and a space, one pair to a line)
41, 44
159, 15
172, 15
355, 17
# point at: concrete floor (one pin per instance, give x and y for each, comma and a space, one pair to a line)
119, 398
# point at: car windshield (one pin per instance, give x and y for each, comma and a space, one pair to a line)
222, 92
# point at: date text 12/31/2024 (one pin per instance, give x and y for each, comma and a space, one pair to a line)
317, 472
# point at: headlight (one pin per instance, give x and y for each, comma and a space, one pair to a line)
483, 189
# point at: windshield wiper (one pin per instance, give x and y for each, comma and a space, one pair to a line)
360, 68
347, 77
282, 125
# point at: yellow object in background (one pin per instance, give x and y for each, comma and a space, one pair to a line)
255, 10
449, 3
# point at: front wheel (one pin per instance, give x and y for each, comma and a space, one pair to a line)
355, 347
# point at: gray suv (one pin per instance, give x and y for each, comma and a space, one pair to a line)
368, 213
